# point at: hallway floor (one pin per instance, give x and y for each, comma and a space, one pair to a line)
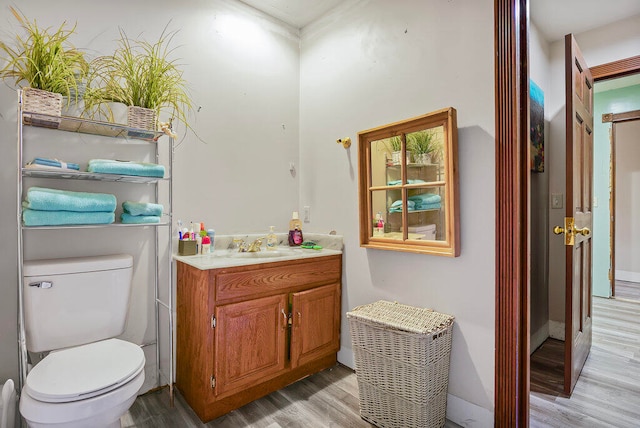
607, 393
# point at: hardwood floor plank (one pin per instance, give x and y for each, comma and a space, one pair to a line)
607, 393
326, 399
627, 290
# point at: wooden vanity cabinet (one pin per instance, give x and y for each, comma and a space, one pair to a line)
244, 332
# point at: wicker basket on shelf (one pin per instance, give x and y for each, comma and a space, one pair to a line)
42, 102
141, 118
402, 356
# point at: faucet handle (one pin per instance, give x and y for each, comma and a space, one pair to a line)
242, 246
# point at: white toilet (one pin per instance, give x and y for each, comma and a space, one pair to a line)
75, 308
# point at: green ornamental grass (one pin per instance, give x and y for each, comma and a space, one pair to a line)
43, 59
142, 74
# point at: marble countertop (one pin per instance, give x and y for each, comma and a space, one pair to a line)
225, 255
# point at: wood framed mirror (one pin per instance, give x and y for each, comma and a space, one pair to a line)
408, 185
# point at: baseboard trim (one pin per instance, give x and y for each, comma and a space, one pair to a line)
467, 414
345, 357
539, 337
623, 275
556, 330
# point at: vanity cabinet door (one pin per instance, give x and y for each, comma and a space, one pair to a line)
250, 342
316, 324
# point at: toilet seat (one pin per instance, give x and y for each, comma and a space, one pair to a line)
84, 371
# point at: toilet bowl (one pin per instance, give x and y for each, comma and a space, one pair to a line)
74, 309
88, 386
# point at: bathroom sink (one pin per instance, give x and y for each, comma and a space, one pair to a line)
262, 254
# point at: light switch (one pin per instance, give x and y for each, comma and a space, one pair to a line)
556, 201
307, 213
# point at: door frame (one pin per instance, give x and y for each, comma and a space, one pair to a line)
614, 118
511, 39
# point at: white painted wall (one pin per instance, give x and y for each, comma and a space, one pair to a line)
367, 64
599, 46
373, 62
539, 205
243, 71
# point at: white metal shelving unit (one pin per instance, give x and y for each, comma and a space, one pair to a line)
85, 126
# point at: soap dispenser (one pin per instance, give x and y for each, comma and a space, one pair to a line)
272, 239
295, 230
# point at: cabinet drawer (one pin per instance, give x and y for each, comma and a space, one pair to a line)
236, 284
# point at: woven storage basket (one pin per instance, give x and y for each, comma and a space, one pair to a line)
402, 356
141, 118
43, 102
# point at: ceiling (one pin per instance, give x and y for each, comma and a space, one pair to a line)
556, 18
553, 18
297, 13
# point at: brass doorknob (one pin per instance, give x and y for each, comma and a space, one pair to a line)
558, 230
584, 231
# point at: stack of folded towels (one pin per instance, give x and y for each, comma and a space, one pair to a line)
423, 201
140, 169
426, 201
140, 212
54, 207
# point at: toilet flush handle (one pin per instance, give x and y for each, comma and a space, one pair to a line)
42, 284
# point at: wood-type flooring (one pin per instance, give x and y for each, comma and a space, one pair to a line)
607, 394
326, 399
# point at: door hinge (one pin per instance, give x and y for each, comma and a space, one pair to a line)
213, 381
213, 321
610, 276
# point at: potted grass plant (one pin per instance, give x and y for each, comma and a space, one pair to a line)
143, 76
395, 147
44, 64
422, 145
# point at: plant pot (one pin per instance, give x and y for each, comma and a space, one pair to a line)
43, 102
142, 118
72, 108
423, 158
396, 157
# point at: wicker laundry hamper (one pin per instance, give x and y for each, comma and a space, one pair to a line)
402, 358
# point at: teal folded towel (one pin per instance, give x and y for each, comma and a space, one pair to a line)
138, 219
425, 198
396, 207
140, 169
142, 208
44, 199
433, 206
58, 218
55, 163
397, 182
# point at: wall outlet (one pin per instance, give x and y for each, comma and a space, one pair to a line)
556, 201
306, 213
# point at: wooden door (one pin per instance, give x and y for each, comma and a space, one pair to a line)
250, 342
579, 191
316, 324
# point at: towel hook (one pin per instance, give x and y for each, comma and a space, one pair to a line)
346, 142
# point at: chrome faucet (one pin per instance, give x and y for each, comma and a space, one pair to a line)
254, 247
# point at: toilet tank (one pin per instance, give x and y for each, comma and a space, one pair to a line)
73, 301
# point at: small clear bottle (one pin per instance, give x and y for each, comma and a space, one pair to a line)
272, 239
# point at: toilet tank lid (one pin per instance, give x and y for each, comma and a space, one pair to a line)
77, 265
